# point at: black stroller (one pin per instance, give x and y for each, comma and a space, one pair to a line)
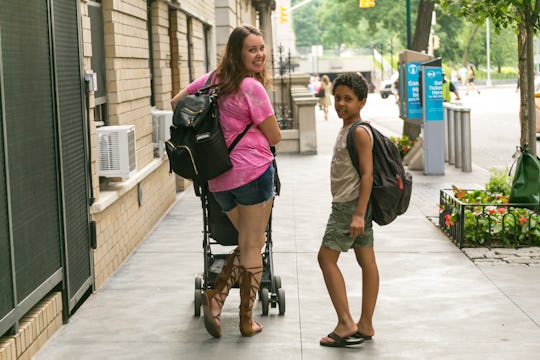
218, 230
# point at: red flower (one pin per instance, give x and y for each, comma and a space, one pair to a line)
523, 220
491, 211
501, 210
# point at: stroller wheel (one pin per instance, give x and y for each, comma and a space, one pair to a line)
197, 303
198, 283
277, 282
265, 301
281, 300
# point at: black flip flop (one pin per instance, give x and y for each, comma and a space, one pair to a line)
359, 335
340, 341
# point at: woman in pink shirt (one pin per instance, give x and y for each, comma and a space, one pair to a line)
246, 192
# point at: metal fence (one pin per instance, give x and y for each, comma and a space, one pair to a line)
492, 225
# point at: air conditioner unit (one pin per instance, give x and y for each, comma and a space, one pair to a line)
116, 151
161, 123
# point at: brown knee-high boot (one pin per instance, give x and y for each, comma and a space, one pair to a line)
250, 279
224, 282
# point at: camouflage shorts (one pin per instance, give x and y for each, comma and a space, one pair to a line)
336, 238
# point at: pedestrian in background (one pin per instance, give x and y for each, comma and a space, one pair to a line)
463, 75
246, 192
448, 88
470, 80
454, 77
326, 98
349, 224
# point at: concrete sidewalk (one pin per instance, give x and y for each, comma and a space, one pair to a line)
434, 302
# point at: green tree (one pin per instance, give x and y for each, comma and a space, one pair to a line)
386, 17
449, 28
523, 17
475, 49
305, 24
333, 33
391, 16
503, 49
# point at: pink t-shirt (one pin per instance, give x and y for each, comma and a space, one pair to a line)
251, 156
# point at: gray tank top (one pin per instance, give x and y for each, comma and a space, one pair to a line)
344, 179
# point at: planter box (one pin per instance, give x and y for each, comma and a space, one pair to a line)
487, 225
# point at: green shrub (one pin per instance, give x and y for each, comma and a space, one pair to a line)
488, 219
403, 143
500, 181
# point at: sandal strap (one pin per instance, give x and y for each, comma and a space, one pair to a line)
249, 285
251, 291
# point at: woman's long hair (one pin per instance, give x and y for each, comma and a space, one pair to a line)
231, 70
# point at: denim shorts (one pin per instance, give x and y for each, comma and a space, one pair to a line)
336, 234
256, 192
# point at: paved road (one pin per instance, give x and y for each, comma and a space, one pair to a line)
495, 128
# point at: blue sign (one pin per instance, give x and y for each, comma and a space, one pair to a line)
414, 108
433, 80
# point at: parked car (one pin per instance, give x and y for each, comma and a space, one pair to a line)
386, 88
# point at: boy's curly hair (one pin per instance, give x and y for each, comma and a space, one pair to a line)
356, 81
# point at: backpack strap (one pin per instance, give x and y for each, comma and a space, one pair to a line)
239, 137
206, 87
208, 84
351, 145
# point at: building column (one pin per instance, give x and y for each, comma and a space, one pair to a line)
265, 8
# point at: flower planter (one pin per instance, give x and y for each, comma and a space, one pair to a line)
473, 218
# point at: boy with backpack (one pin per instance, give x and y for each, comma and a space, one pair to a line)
350, 222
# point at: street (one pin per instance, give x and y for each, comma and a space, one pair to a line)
494, 122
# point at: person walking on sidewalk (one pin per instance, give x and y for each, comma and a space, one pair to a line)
470, 80
349, 224
326, 99
246, 192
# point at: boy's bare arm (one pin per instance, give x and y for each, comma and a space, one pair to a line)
362, 141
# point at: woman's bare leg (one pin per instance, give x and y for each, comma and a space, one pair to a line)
252, 222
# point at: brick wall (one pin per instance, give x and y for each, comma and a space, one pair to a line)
35, 328
161, 43
123, 224
198, 50
128, 73
179, 56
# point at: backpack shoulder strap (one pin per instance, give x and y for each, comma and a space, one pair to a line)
351, 146
208, 84
239, 137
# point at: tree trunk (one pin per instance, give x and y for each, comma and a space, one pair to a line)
423, 26
523, 80
529, 132
527, 111
469, 44
420, 43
